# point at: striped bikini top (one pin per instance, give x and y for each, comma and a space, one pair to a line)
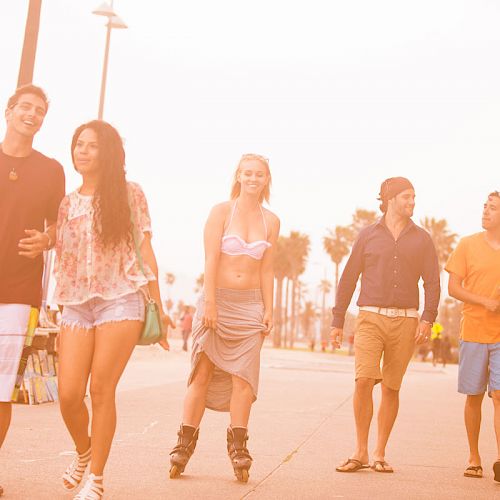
232, 244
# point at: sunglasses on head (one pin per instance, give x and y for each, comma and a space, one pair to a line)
252, 156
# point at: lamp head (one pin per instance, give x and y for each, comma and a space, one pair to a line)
104, 10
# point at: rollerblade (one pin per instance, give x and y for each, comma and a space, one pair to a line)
180, 455
241, 460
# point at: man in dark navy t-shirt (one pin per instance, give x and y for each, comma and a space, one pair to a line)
31, 188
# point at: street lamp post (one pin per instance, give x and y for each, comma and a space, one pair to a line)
27, 65
114, 21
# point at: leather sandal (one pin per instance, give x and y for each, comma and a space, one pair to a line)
474, 471
382, 466
357, 466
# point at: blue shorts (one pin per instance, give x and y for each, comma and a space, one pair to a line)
98, 311
479, 368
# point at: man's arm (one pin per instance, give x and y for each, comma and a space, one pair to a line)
457, 291
432, 287
347, 283
37, 242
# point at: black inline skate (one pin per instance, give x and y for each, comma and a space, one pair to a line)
241, 460
181, 453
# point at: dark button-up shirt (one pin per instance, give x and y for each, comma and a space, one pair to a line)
390, 271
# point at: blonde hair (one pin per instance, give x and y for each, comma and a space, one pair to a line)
236, 186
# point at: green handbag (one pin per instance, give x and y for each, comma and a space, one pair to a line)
152, 330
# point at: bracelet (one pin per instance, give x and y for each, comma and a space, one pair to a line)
50, 243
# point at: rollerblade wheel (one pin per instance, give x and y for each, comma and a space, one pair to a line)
242, 475
175, 472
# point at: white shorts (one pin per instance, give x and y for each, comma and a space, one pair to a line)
13, 326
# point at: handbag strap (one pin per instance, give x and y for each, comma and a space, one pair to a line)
136, 243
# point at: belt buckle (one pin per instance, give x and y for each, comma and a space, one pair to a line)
392, 312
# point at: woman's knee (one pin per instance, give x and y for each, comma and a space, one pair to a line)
69, 399
241, 386
101, 392
203, 374
201, 380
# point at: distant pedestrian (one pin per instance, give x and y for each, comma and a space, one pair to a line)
234, 313
186, 327
99, 281
391, 256
436, 338
474, 269
445, 350
31, 188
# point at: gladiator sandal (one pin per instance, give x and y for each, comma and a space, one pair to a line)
74, 473
182, 451
237, 450
91, 489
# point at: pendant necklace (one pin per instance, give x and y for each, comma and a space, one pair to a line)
13, 175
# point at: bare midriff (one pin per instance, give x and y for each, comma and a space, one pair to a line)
238, 272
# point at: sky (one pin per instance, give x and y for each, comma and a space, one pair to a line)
339, 95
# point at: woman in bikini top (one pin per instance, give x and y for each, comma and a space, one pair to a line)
233, 244
234, 314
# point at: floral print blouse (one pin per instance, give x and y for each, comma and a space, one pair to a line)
84, 268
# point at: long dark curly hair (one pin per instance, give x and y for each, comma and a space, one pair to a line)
111, 223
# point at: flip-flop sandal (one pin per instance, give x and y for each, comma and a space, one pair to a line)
474, 471
496, 470
382, 466
357, 463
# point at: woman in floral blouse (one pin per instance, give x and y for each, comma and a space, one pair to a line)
99, 284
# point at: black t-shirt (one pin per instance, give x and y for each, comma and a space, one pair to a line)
25, 204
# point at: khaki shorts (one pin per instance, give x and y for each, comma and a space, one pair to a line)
377, 334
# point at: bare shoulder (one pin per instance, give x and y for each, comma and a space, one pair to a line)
272, 219
219, 212
221, 209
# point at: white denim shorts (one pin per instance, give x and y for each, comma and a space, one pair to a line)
13, 326
98, 311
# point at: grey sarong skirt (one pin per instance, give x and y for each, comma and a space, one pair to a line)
233, 347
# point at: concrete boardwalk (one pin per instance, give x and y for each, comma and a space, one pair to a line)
301, 428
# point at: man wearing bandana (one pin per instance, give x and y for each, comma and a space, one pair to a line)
31, 188
391, 256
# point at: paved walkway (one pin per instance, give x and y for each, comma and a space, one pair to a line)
301, 427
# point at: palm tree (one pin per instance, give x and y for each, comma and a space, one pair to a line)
325, 287
298, 250
443, 239
360, 219
281, 269
307, 319
337, 244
